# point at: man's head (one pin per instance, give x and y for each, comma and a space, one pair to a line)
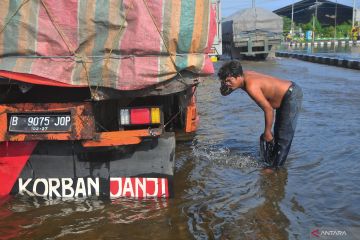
231, 76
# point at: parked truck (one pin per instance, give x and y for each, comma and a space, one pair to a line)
252, 32
92, 94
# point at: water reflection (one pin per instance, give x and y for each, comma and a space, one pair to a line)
23, 217
266, 221
13, 228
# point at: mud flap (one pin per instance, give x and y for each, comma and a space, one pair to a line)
66, 169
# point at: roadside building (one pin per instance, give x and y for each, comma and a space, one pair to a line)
324, 10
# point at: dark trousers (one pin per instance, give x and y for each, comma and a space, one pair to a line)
285, 123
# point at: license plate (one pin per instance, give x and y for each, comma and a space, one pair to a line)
40, 123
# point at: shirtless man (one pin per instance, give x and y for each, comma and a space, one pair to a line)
269, 93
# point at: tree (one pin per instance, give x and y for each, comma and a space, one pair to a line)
343, 30
286, 25
309, 26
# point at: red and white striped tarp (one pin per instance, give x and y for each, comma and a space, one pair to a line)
121, 44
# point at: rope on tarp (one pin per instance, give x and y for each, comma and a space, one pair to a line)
79, 58
62, 35
182, 80
9, 20
83, 58
13, 15
121, 29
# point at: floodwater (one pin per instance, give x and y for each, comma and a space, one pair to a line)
220, 190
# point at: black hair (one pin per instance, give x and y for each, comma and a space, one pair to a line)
230, 69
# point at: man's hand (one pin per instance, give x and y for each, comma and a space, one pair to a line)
225, 89
268, 136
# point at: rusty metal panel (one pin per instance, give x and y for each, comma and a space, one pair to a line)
83, 123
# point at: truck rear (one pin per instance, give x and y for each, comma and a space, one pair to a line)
252, 32
92, 94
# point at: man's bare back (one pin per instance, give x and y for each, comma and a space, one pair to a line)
272, 88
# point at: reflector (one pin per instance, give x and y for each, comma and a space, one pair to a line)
155, 115
124, 116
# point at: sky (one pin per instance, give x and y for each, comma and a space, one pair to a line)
228, 7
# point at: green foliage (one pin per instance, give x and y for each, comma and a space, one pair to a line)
342, 31
313, 23
286, 24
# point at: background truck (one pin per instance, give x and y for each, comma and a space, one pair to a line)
216, 49
92, 94
251, 32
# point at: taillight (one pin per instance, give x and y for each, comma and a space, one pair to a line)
155, 116
124, 117
140, 116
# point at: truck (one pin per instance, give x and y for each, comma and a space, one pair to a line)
252, 32
216, 49
93, 95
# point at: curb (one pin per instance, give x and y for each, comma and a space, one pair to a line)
331, 61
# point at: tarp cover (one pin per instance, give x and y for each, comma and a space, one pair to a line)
252, 19
121, 44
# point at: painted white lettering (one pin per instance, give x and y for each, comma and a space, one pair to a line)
22, 186
119, 190
67, 187
93, 184
155, 180
128, 187
163, 188
35, 187
80, 188
140, 185
54, 184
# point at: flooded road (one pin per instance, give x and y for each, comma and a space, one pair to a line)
220, 190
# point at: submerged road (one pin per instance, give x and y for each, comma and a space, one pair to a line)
220, 191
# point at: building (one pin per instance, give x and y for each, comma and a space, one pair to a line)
324, 10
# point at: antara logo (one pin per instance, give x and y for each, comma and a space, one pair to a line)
327, 233
315, 233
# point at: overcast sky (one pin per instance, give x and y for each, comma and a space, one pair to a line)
230, 6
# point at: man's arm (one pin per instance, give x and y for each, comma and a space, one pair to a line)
257, 95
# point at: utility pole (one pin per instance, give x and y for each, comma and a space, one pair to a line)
354, 14
316, 5
253, 3
336, 5
292, 19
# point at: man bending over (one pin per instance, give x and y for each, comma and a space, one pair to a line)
269, 93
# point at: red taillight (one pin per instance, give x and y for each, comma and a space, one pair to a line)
140, 116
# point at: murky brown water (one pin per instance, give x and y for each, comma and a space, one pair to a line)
220, 190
